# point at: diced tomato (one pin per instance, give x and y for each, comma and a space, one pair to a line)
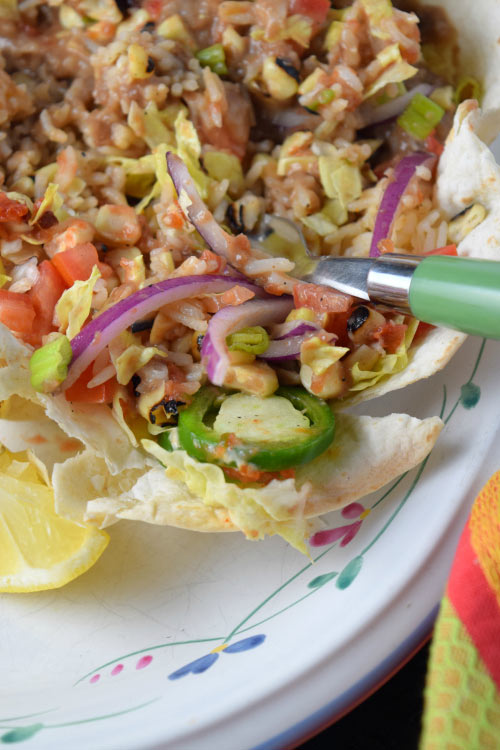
154, 8
422, 331
321, 299
174, 216
447, 250
102, 31
174, 386
11, 210
316, 10
433, 145
235, 296
216, 263
16, 311
337, 323
386, 246
44, 295
247, 473
99, 394
76, 263
391, 336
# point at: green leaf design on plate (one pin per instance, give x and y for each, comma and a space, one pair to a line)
20, 734
470, 393
319, 581
349, 573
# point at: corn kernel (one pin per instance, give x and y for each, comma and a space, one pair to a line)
311, 82
139, 64
174, 28
69, 18
333, 34
232, 42
279, 84
301, 313
257, 378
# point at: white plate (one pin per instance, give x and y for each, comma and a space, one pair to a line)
188, 641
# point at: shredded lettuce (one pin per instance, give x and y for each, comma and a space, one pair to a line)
117, 410
52, 200
320, 356
389, 54
132, 359
398, 72
165, 130
289, 153
333, 34
189, 150
156, 124
223, 166
297, 27
387, 365
319, 223
21, 198
377, 11
340, 179
74, 305
256, 511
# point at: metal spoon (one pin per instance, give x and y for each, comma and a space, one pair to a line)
455, 292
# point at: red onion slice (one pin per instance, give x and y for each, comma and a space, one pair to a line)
97, 334
403, 174
198, 214
293, 328
255, 312
284, 349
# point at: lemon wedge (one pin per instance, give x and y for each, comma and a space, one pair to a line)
38, 549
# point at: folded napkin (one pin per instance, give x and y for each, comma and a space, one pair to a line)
462, 694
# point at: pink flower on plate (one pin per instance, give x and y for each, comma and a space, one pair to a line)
345, 533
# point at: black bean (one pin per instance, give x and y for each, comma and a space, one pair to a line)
171, 411
151, 65
359, 316
125, 6
135, 382
142, 325
199, 341
233, 221
149, 26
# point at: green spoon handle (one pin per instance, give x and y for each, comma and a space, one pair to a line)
460, 293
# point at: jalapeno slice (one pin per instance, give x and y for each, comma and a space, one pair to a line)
198, 437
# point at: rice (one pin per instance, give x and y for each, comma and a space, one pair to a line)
94, 95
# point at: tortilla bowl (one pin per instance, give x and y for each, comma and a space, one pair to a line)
119, 478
